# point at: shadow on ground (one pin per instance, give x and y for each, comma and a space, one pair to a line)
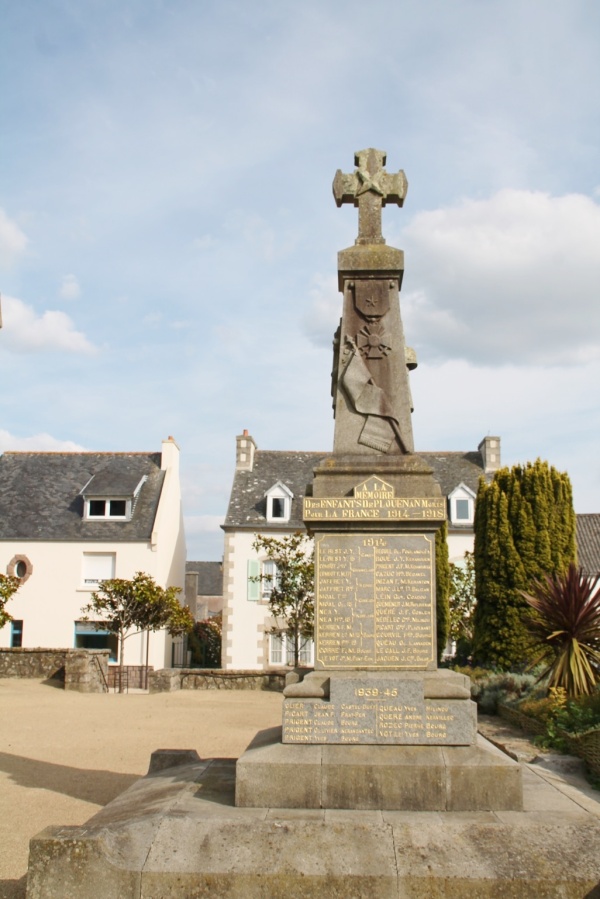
13, 889
99, 787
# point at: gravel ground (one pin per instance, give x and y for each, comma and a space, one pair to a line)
64, 755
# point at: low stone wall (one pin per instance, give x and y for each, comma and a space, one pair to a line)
170, 679
38, 663
83, 670
529, 725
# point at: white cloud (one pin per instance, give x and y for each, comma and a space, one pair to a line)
203, 524
324, 311
547, 412
37, 443
511, 279
25, 331
12, 240
70, 288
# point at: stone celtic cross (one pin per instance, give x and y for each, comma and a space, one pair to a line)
369, 187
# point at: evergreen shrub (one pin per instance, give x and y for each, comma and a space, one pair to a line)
524, 530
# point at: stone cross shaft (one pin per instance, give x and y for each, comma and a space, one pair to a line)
369, 187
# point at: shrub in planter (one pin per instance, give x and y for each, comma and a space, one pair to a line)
565, 621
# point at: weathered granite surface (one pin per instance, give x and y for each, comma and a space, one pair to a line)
416, 778
177, 835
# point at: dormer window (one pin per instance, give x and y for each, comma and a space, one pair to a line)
279, 503
111, 495
462, 506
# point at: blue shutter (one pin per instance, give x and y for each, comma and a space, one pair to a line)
253, 585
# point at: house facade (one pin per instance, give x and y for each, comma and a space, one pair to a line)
266, 498
70, 520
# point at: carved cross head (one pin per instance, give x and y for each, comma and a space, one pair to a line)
369, 187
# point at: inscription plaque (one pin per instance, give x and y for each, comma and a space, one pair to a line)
375, 601
379, 710
374, 500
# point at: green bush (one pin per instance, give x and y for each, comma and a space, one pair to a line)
488, 688
558, 712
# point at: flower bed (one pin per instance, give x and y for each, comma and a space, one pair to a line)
585, 745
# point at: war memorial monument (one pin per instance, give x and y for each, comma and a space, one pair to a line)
376, 725
377, 784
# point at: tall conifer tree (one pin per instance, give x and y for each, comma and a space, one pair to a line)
442, 588
524, 529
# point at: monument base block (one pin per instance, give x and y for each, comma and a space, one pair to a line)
409, 778
177, 835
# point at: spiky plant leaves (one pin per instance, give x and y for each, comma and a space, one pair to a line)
566, 624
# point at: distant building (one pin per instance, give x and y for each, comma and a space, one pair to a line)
266, 498
588, 543
70, 520
204, 588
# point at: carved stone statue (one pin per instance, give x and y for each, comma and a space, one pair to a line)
370, 386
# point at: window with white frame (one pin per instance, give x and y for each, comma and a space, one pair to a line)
98, 567
278, 503
108, 508
462, 505
281, 650
269, 578
262, 577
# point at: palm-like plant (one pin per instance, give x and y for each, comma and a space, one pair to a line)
566, 624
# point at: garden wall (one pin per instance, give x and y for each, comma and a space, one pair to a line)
170, 679
82, 670
586, 745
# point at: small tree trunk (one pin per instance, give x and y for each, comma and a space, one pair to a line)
296, 647
121, 656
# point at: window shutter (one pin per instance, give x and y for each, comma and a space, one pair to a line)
253, 585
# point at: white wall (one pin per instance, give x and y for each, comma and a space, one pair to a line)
50, 601
244, 640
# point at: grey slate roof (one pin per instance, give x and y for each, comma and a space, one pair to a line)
40, 495
453, 468
588, 543
247, 505
210, 577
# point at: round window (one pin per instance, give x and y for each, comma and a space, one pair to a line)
20, 566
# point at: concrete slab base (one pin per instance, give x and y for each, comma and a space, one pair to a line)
409, 778
178, 835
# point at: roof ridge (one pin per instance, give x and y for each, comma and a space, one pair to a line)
78, 453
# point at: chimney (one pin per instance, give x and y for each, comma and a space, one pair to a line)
245, 449
490, 453
169, 457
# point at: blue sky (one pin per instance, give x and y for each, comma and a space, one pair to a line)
168, 236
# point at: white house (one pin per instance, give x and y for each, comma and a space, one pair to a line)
266, 498
69, 520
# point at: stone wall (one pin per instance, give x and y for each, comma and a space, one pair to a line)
86, 670
83, 670
38, 663
170, 679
